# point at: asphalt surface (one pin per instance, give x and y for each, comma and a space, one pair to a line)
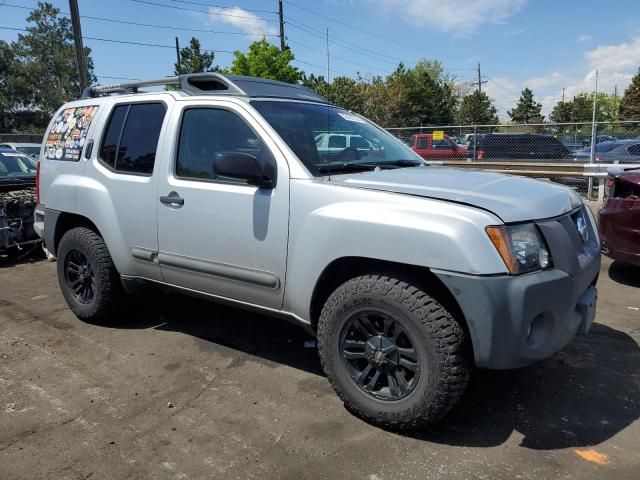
186, 389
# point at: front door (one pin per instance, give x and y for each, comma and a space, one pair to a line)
216, 235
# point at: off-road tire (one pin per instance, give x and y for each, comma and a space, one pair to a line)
108, 291
444, 362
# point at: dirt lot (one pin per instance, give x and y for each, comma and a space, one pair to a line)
186, 389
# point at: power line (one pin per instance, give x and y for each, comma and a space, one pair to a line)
202, 11
153, 25
142, 44
353, 27
222, 6
333, 42
335, 57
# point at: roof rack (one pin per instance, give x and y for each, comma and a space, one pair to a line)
213, 83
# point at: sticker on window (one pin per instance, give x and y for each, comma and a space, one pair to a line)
69, 132
350, 117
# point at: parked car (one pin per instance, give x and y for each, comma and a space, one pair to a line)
620, 216
428, 148
330, 144
629, 152
520, 146
584, 155
31, 149
408, 275
17, 201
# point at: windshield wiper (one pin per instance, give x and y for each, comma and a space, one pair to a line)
360, 166
345, 167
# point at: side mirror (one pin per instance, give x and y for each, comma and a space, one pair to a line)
243, 166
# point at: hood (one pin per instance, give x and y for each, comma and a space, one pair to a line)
511, 198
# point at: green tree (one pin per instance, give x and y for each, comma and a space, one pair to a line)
630, 104
45, 65
561, 113
267, 61
527, 110
193, 60
346, 93
477, 108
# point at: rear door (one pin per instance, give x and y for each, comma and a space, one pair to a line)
123, 195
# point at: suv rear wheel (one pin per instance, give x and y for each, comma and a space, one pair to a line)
392, 353
88, 278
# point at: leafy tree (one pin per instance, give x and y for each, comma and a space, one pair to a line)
527, 110
266, 60
193, 60
477, 108
46, 61
346, 93
561, 113
630, 104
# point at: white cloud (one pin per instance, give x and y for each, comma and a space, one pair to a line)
461, 18
616, 65
584, 38
245, 21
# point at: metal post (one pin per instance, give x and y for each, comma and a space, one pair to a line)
592, 157
281, 19
475, 141
177, 55
77, 40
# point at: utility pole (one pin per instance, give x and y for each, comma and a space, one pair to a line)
177, 54
281, 18
480, 82
77, 40
563, 94
328, 70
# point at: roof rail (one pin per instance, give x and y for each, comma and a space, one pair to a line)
213, 83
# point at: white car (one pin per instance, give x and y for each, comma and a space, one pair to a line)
31, 149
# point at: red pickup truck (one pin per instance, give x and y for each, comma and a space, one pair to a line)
425, 146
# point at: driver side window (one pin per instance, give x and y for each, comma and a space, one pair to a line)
204, 132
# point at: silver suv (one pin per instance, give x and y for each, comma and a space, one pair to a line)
408, 275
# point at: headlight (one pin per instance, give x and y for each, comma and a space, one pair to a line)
521, 247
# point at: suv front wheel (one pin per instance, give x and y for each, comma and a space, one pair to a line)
88, 278
392, 353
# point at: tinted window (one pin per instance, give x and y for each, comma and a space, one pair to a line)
207, 131
634, 150
422, 142
337, 141
360, 143
132, 149
441, 144
111, 138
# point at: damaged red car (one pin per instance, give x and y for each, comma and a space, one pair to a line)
620, 217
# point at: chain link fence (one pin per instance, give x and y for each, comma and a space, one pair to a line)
560, 144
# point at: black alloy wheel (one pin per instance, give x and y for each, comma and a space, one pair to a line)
79, 275
380, 355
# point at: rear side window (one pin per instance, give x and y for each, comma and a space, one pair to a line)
422, 142
634, 150
131, 139
68, 133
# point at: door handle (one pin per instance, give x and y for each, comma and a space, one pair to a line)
173, 200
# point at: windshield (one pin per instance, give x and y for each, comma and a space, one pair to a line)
16, 165
325, 137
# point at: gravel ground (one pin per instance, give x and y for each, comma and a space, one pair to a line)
186, 389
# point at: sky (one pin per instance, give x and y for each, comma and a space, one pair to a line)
545, 45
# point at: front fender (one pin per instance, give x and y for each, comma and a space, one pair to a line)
329, 222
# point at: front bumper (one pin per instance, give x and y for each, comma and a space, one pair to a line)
517, 320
